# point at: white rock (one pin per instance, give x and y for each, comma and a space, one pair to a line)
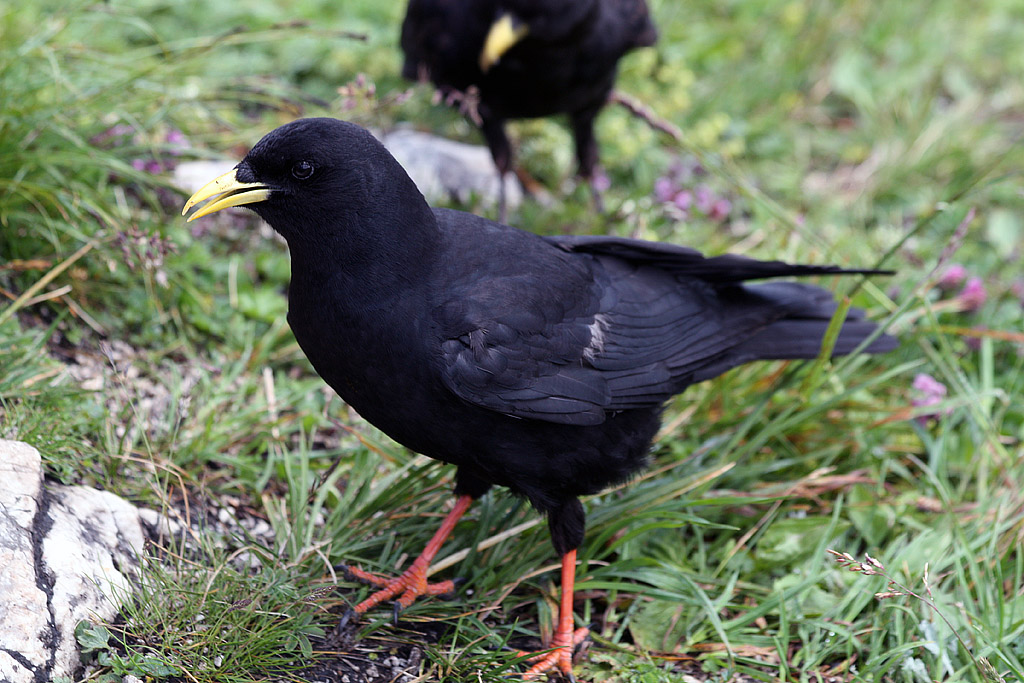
444, 169
192, 175
25, 624
91, 549
67, 553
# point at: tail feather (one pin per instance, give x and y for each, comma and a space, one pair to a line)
688, 262
797, 334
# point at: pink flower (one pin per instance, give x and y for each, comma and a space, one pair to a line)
952, 277
677, 169
177, 143
664, 189
930, 392
683, 199
705, 198
972, 296
720, 209
600, 180
1017, 289
929, 386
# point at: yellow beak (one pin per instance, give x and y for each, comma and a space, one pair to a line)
227, 191
503, 34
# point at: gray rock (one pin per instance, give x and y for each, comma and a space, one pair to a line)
442, 169
192, 175
67, 553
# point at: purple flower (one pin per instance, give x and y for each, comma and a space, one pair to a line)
930, 392
119, 132
600, 181
1017, 289
683, 200
720, 209
929, 386
676, 169
151, 166
177, 143
972, 296
664, 189
705, 199
952, 277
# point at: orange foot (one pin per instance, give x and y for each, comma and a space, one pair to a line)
566, 639
413, 582
561, 657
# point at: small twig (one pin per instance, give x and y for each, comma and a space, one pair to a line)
455, 558
27, 295
268, 389
738, 181
79, 312
26, 264
956, 240
52, 294
872, 567
468, 102
642, 111
982, 333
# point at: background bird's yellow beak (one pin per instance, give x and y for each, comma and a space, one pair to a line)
504, 34
227, 190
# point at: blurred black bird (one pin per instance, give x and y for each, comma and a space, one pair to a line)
536, 363
527, 58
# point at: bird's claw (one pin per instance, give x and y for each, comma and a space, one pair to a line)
559, 656
396, 611
345, 619
406, 588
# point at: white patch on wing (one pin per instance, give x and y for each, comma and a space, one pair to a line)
596, 344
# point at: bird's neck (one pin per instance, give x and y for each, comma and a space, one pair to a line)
370, 246
368, 266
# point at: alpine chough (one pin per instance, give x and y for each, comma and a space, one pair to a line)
527, 58
536, 363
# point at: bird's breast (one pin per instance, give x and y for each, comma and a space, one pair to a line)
380, 365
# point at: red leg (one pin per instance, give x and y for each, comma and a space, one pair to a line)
566, 639
413, 581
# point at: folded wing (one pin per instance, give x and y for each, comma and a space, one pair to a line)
638, 324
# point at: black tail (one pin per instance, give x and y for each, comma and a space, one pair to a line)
798, 333
688, 262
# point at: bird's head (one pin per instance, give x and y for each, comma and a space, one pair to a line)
542, 20
311, 180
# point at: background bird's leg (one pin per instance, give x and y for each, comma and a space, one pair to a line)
501, 151
413, 582
566, 639
586, 150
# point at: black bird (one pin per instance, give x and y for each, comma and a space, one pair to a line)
536, 363
528, 58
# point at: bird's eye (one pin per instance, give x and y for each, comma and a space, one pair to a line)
302, 169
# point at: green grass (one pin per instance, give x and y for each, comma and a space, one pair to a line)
154, 361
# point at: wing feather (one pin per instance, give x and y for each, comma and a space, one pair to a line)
626, 327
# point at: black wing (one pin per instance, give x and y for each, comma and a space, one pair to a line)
442, 39
626, 324
516, 343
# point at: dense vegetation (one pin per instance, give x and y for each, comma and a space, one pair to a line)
152, 358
